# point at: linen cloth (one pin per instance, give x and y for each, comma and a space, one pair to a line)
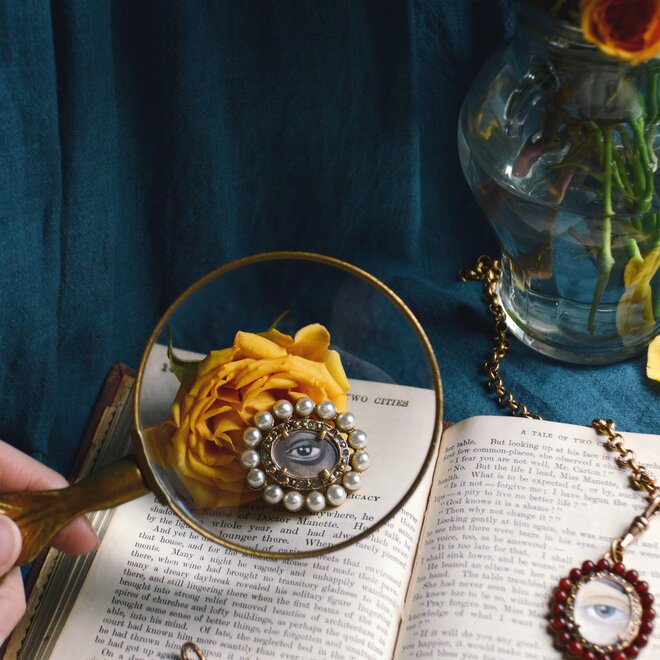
143, 144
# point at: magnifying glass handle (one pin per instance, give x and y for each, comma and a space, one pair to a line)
41, 514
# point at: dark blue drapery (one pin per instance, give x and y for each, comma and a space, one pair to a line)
145, 143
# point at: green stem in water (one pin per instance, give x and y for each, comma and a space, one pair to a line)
607, 173
591, 250
633, 248
637, 223
652, 99
649, 232
653, 159
619, 174
599, 140
605, 264
638, 130
649, 220
637, 180
655, 230
622, 175
605, 259
630, 236
618, 180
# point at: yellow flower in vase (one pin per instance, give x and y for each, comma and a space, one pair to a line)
653, 361
634, 312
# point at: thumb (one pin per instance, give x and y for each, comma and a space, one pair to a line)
10, 544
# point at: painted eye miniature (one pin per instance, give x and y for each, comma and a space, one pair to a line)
304, 455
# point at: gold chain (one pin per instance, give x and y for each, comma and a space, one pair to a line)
489, 271
639, 476
190, 651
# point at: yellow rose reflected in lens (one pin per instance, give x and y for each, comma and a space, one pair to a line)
202, 441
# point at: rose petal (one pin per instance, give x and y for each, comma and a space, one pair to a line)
256, 347
258, 369
336, 369
311, 342
634, 311
278, 337
653, 361
214, 360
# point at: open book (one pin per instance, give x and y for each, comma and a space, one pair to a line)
465, 570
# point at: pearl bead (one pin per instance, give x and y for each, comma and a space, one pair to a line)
336, 495
263, 420
250, 458
357, 439
360, 460
251, 436
273, 494
293, 501
283, 409
256, 478
326, 410
305, 406
315, 501
352, 480
345, 421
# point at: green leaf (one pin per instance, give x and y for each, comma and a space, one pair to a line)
183, 369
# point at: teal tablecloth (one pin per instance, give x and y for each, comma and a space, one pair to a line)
145, 143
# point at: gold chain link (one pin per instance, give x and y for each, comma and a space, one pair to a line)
489, 271
190, 651
639, 476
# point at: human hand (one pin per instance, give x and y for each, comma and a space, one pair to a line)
19, 472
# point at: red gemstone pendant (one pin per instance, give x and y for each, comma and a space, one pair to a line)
601, 611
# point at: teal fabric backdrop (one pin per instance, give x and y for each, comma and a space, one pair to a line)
145, 143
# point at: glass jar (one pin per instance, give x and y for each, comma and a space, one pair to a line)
559, 144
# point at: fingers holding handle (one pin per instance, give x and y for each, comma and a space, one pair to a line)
12, 597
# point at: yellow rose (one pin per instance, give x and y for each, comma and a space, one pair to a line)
203, 439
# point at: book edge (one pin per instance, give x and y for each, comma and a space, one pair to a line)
119, 378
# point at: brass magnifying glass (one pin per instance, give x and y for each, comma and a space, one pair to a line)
395, 391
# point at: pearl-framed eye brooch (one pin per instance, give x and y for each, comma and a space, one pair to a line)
304, 454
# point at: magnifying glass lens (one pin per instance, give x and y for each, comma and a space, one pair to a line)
293, 438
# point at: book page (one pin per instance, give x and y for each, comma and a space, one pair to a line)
155, 583
515, 505
59, 576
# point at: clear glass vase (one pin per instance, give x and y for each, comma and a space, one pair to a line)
559, 144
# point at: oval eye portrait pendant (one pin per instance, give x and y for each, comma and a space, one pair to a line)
601, 611
304, 455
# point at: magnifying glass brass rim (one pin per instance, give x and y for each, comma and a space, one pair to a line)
139, 443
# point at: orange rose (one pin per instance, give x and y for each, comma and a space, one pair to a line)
203, 440
625, 29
